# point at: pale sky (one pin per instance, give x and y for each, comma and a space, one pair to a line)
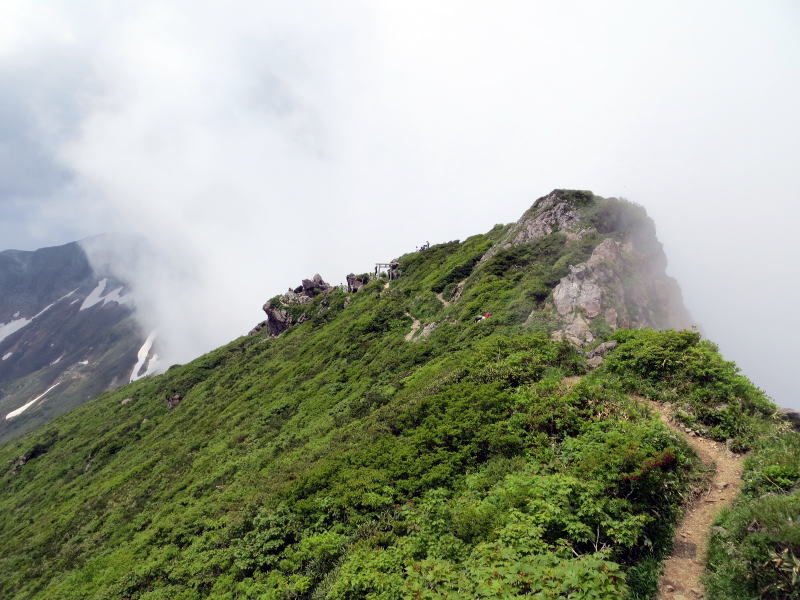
256, 143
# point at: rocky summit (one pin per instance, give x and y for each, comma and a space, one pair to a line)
509, 416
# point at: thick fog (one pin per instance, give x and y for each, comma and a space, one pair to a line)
256, 143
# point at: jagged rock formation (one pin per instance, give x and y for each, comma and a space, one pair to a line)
558, 211
279, 318
619, 286
622, 284
356, 282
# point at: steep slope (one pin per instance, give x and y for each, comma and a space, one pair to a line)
331, 455
66, 334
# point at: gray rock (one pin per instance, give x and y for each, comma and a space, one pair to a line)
594, 362
257, 328
555, 212
315, 286
278, 319
356, 282
623, 288
792, 416
174, 400
602, 349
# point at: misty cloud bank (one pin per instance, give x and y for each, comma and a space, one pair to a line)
253, 144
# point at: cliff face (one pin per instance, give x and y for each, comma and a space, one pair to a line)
623, 284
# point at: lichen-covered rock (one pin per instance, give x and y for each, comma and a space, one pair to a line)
602, 349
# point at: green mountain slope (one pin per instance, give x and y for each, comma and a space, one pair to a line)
358, 456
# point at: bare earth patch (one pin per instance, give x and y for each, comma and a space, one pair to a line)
414, 327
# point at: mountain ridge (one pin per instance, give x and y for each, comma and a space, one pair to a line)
67, 333
337, 458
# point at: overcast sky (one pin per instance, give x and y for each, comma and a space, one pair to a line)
256, 143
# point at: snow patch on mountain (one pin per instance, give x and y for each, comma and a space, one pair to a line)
6, 329
7, 355
142, 355
26, 406
16, 323
98, 295
95, 296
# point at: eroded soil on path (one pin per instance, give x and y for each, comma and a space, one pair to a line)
684, 568
415, 325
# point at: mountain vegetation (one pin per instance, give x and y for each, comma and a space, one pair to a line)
355, 457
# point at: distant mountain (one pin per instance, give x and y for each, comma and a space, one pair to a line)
66, 334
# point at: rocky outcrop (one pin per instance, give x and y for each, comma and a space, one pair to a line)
622, 284
356, 282
313, 287
279, 319
790, 416
596, 356
617, 287
558, 211
174, 400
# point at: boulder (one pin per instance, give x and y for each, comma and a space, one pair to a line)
278, 319
356, 282
791, 416
315, 286
174, 400
602, 349
394, 271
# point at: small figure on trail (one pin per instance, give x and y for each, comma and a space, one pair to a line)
483, 316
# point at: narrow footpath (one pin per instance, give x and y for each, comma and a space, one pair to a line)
684, 568
415, 325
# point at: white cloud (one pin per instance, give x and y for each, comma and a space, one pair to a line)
257, 143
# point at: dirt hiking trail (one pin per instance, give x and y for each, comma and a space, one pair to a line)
684, 568
415, 325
